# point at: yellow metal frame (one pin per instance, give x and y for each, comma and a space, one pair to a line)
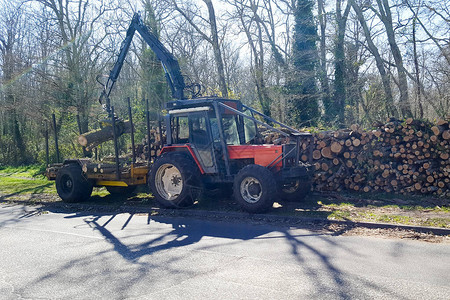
111, 183
137, 176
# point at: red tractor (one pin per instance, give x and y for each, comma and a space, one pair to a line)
210, 142
215, 142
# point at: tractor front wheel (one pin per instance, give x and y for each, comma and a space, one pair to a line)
254, 188
175, 180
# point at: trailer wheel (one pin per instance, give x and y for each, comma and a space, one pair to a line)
121, 190
175, 180
72, 185
295, 190
254, 188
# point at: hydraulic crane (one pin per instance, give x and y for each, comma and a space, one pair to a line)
210, 142
170, 64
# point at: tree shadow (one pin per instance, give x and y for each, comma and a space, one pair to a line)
20, 212
342, 283
184, 232
314, 259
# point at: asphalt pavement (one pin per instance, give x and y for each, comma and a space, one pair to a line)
55, 255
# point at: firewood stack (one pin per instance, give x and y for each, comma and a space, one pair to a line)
406, 157
155, 145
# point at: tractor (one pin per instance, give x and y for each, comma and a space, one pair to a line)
210, 143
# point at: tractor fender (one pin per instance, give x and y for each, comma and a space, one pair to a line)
183, 148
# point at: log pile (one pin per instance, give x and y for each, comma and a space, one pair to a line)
406, 157
142, 150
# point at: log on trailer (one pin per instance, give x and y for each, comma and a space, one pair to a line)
96, 137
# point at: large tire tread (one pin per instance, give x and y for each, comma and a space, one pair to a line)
268, 184
192, 185
82, 187
121, 190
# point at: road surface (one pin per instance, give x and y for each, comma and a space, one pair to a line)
48, 255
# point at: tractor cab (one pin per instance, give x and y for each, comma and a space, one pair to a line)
205, 129
222, 137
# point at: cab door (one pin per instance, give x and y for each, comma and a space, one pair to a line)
200, 138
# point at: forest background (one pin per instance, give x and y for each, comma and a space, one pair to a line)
308, 63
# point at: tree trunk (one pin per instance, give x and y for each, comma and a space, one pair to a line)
389, 100
323, 78
258, 66
94, 138
18, 151
339, 70
416, 67
386, 18
216, 48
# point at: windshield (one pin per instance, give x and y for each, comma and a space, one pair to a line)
237, 130
250, 128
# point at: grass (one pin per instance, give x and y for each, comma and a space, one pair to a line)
420, 211
386, 201
340, 215
25, 180
13, 185
31, 171
100, 192
394, 219
29, 180
437, 222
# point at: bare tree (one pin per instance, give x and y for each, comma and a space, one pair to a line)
254, 32
339, 62
438, 15
76, 22
212, 38
416, 67
384, 13
389, 102
323, 73
11, 42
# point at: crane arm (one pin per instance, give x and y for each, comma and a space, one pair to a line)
170, 64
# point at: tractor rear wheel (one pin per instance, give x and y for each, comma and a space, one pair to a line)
295, 190
72, 185
254, 188
121, 190
175, 180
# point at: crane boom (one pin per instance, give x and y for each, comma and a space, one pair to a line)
170, 64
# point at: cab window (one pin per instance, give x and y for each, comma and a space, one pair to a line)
249, 126
180, 129
230, 130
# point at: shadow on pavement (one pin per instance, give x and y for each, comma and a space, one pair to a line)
139, 249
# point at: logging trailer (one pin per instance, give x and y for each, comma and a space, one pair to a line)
210, 142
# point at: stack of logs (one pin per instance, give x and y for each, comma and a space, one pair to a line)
407, 157
142, 150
